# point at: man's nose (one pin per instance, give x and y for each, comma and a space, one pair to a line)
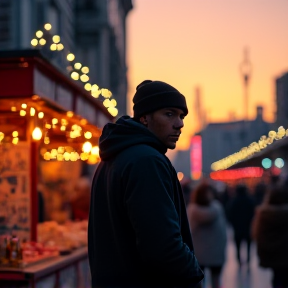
179, 123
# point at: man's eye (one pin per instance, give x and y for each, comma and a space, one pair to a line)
169, 114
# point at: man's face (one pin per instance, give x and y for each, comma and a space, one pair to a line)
166, 124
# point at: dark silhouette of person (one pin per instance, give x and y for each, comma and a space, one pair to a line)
240, 213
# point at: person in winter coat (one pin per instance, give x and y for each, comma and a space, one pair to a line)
271, 235
208, 227
138, 231
240, 213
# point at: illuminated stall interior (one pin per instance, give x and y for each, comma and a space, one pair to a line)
49, 127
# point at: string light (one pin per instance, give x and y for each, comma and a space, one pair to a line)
57, 46
248, 152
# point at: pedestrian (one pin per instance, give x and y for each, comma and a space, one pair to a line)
80, 200
240, 213
138, 231
271, 235
208, 227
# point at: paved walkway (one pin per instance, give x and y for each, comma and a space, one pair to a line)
244, 277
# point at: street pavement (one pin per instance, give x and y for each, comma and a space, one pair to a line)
244, 277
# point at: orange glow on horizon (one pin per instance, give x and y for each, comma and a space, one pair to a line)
191, 44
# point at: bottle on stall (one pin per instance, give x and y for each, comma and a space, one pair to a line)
7, 249
14, 252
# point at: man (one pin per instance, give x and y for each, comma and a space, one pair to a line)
138, 233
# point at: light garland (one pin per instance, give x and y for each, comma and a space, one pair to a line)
77, 71
248, 152
74, 133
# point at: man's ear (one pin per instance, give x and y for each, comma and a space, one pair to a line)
143, 120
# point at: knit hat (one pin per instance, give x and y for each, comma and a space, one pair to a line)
153, 95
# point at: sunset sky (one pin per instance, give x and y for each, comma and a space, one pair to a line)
200, 43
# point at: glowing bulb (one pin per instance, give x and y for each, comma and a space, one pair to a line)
69, 114
37, 133
70, 57
54, 121
95, 150
34, 42
77, 65
15, 133
87, 146
13, 108
60, 47
47, 26
22, 112
84, 78
74, 75
24, 105
42, 41
40, 115
15, 140
39, 33
32, 111
87, 86
85, 69
53, 47
88, 135
56, 38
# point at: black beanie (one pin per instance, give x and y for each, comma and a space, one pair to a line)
153, 95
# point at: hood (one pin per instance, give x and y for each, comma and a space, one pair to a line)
123, 134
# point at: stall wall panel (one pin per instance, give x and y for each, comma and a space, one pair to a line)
16, 80
43, 86
15, 190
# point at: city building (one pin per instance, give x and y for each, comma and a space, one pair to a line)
282, 100
94, 30
219, 140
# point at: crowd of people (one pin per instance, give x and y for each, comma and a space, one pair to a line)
258, 215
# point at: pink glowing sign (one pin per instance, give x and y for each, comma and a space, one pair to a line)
196, 157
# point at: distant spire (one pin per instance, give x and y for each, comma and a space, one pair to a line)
246, 70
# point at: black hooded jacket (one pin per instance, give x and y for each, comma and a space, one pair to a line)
138, 234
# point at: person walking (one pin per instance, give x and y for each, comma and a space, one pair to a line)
208, 226
138, 231
269, 229
240, 213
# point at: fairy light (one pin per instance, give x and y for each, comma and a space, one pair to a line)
37, 133
247, 152
57, 46
47, 26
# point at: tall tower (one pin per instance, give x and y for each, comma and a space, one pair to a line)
245, 71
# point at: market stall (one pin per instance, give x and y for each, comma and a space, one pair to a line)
49, 126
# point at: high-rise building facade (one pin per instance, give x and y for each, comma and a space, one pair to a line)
282, 100
94, 30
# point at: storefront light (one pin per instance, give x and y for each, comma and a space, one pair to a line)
22, 112
32, 111
37, 133
95, 150
279, 163
266, 163
88, 135
87, 146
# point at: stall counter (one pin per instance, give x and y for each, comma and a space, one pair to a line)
69, 271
